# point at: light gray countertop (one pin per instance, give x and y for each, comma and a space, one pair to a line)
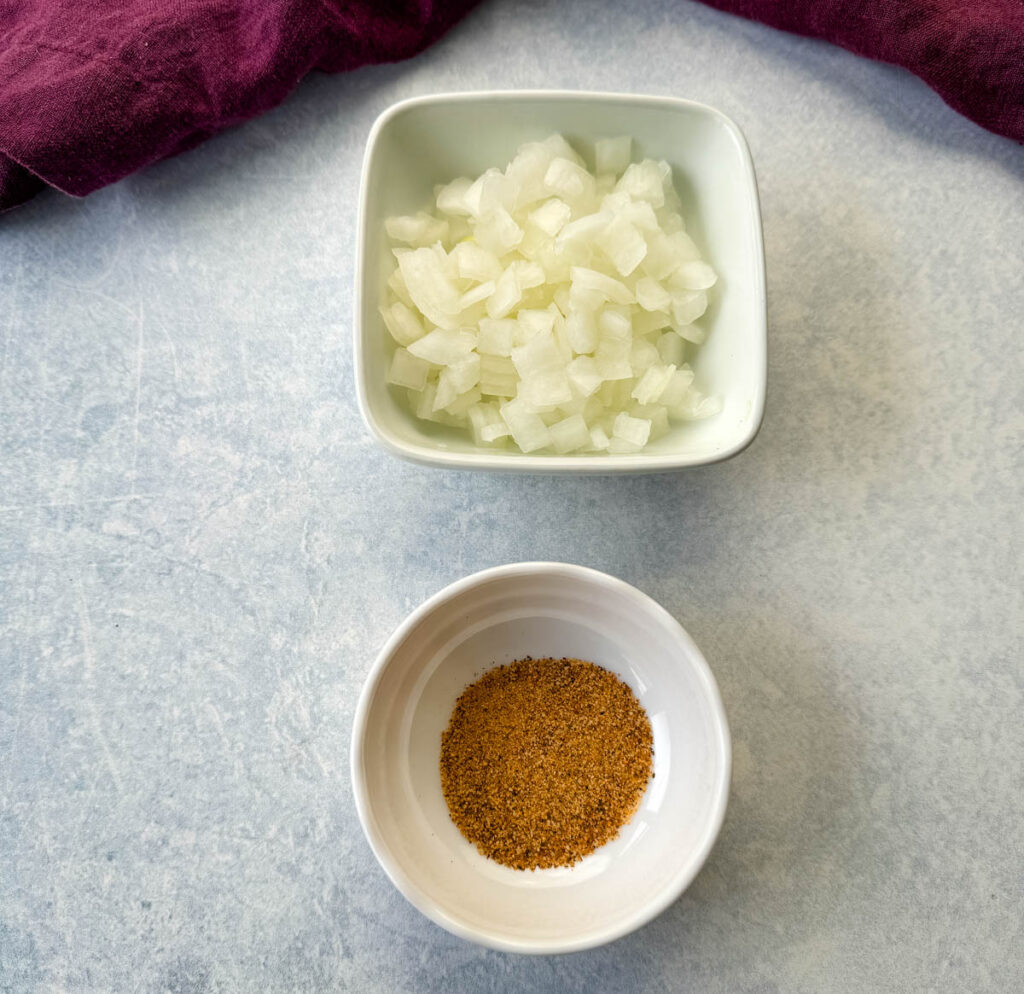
201, 549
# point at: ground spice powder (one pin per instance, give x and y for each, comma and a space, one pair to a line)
544, 760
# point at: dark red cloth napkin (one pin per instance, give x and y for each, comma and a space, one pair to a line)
971, 52
92, 90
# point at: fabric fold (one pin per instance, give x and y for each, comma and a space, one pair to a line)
971, 52
92, 91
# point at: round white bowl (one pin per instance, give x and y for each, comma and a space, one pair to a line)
494, 617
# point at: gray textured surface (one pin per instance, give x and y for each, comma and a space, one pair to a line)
201, 550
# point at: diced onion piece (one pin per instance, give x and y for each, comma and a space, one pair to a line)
682, 247
498, 232
463, 374
670, 221
656, 414
570, 407
634, 431
653, 383
506, 295
641, 215
584, 229
642, 355
530, 165
475, 263
402, 323
623, 244
418, 229
651, 295
424, 408
463, 402
691, 332
397, 286
451, 199
676, 390
615, 396
670, 348
598, 439
644, 322
535, 322
687, 306
660, 260
486, 423
584, 301
494, 387
489, 193
424, 404
538, 354
612, 155
568, 180
614, 323
496, 336
581, 330
493, 432
559, 148
528, 429
498, 372
593, 409
551, 217
569, 434
584, 375
591, 279
498, 377
476, 295
429, 286
443, 347
528, 274
545, 390
407, 370
612, 360
694, 275
446, 391
643, 181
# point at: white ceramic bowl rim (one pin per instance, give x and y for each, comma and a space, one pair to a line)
641, 462
674, 885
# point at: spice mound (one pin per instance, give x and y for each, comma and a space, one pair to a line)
544, 760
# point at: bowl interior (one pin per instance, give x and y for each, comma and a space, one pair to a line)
431, 141
625, 882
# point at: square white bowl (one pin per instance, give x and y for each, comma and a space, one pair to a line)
421, 142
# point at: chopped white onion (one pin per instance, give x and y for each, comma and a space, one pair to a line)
550, 305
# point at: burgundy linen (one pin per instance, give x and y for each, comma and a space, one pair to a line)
971, 52
92, 90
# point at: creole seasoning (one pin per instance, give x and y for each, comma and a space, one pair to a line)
544, 760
